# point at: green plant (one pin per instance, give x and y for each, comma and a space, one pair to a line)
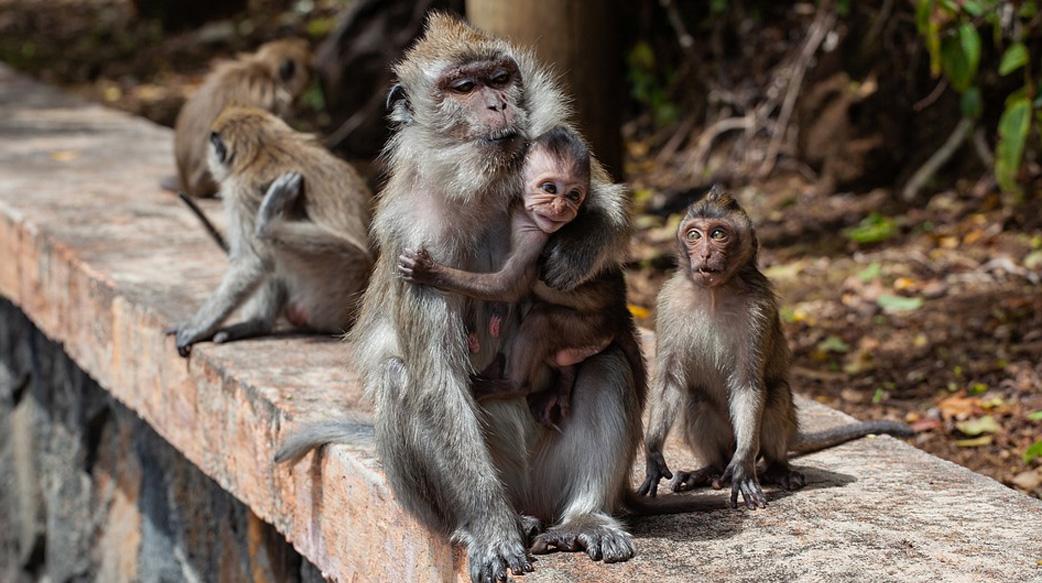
952, 33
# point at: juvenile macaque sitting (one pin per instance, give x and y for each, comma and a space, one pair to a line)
563, 328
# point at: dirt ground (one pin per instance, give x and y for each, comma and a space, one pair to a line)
930, 313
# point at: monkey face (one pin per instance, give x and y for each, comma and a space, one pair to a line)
481, 98
715, 249
553, 191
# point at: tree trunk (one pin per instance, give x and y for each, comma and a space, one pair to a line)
582, 40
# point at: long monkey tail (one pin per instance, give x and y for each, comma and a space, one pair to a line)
811, 442
351, 431
199, 214
673, 504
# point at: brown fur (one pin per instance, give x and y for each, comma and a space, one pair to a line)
298, 220
254, 80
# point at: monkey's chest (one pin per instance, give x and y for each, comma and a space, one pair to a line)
712, 353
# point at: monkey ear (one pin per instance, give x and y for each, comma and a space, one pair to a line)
398, 104
716, 192
287, 70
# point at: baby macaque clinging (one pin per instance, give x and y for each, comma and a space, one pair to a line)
270, 79
297, 232
723, 362
563, 328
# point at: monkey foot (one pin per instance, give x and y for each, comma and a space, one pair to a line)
599, 541
700, 478
784, 476
530, 527
489, 562
549, 408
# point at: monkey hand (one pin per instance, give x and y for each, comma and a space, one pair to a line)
184, 337
417, 266
277, 200
654, 470
743, 479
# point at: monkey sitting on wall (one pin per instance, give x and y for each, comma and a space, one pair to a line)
723, 361
562, 329
298, 240
271, 79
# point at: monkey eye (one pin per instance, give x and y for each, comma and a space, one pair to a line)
549, 188
693, 235
574, 196
501, 78
463, 86
718, 234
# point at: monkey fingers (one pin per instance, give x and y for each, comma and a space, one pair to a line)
416, 266
744, 481
489, 562
186, 337
655, 470
242, 331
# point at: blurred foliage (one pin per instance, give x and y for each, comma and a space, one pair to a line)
954, 33
648, 84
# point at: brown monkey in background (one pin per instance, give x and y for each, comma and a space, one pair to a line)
561, 329
297, 231
270, 79
724, 362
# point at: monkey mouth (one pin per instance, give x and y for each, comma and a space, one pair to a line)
502, 137
706, 270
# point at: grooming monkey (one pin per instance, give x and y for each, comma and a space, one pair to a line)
297, 219
724, 362
561, 329
270, 79
464, 105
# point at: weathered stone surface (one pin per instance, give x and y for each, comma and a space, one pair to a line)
101, 260
98, 496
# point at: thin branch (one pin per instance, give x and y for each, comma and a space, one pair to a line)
823, 22
938, 159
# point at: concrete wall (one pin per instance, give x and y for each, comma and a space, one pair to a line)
89, 492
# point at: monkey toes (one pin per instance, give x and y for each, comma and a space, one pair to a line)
489, 562
699, 478
784, 476
600, 542
655, 470
744, 482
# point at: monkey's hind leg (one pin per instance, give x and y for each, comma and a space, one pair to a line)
779, 428
709, 435
260, 311
582, 470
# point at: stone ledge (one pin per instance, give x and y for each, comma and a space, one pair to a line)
102, 260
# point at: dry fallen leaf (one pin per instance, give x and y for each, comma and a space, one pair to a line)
975, 442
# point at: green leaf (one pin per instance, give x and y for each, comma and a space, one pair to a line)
1015, 57
971, 103
1034, 452
978, 389
1013, 132
975, 427
972, 7
1035, 415
892, 303
960, 56
833, 344
878, 396
974, 442
871, 272
872, 229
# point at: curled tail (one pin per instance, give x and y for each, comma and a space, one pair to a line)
199, 214
819, 440
339, 431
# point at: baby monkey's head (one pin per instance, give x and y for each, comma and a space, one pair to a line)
557, 178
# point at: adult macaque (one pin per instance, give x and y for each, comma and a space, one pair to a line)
464, 105
297, 218
724, 362
270, 79
561, 329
